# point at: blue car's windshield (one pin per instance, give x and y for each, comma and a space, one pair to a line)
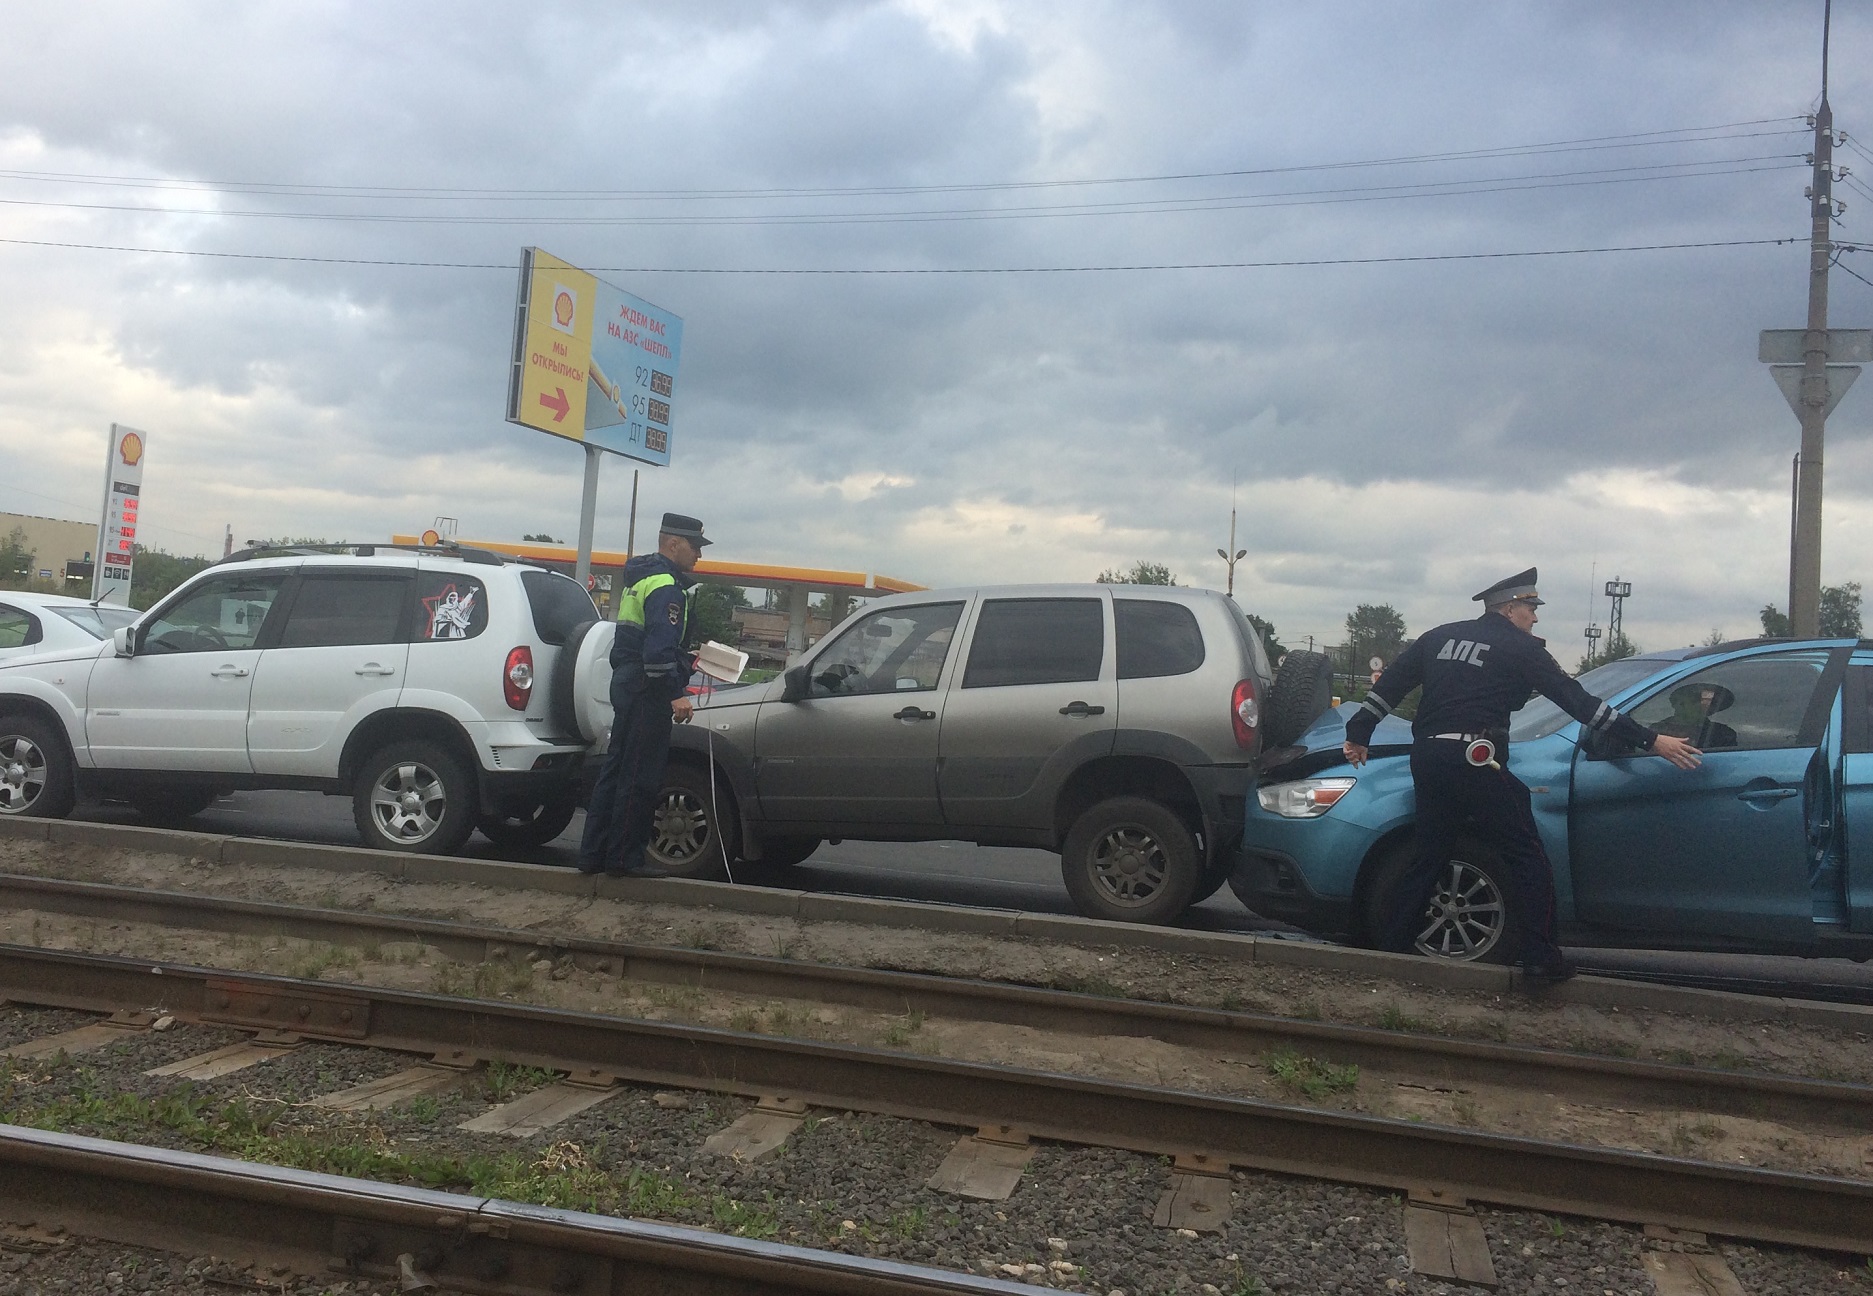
1539, 717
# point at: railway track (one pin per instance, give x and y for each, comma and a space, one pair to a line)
1580, 1077
421, 1239
1204, 1133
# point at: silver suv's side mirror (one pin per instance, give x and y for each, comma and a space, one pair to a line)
795, 685
124, 640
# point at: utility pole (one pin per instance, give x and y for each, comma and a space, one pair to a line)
1805, 597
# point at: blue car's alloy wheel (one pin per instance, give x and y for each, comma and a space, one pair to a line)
1466, 918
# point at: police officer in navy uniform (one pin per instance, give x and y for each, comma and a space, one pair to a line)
1474, 673
649, 692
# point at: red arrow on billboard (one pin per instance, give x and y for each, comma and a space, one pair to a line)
557, 403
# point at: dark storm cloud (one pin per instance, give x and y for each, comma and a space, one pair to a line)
1385, 420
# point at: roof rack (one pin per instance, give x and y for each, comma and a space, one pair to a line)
481, 557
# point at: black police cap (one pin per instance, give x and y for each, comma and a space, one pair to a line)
689, 528
1517, 588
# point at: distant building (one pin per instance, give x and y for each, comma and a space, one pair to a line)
61, 550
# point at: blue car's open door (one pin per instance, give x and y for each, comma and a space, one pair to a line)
1723, 849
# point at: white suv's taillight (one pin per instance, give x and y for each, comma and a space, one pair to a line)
1245, 713
517, 677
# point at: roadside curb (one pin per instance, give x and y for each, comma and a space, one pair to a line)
807, 906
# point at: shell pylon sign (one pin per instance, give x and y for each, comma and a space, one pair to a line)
592, 362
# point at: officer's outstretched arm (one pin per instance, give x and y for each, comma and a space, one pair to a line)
1400, 678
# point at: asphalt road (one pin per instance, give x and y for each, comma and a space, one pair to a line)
965, 874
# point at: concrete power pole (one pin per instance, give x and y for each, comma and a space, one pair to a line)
1805, 594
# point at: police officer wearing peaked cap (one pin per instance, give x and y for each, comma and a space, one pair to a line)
1474, 673
649, 692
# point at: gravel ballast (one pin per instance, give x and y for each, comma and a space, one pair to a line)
1080, 1219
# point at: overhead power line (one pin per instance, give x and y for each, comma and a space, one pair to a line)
1230, 202
1639, 139
510, 267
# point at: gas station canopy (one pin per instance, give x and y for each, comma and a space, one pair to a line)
796, 585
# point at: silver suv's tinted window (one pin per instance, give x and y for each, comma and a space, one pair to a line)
449, 605
1036, 641
1155, 638
893, 650
559, 605
334, 610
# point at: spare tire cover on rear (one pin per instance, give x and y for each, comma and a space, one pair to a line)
1303, 688
588, 696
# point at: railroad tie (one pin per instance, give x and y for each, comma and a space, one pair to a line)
84, 1039
545, 1107
758, 1134
1688, 1267
1197, 1196
986, 1165
388, 1091
264, 1047
1446, 1239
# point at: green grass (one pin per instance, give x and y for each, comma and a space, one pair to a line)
1309, 1076
899, 1032
503, 1080
1392, 1017
562, 1176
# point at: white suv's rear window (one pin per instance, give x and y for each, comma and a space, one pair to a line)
1156, 638
449, 605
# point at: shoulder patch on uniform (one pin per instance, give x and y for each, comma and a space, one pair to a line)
676, 614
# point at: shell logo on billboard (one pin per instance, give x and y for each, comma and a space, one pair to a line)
565, 307
130, 448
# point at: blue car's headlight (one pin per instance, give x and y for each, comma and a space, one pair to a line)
1303, 798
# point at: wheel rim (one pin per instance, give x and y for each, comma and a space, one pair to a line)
22, 774
408, 802
1466, 917
1130, 867
681, 827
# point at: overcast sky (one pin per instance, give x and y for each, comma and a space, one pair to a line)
1402, 431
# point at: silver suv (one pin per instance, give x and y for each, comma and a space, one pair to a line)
1118, 725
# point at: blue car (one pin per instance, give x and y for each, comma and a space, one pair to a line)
1766, 847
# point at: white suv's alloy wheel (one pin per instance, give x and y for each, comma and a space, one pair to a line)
1466, 916
22, 773
408, 802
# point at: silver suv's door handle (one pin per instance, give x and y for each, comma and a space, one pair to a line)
1767, 794
229, 672
1081, 709
372, 668
913, 713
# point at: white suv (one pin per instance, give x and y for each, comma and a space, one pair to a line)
403, 678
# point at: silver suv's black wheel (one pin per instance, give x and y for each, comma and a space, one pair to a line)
686, 840
1131, 860
35, 774
414, 796
525, 825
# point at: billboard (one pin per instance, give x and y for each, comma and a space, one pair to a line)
117, 531
592, 362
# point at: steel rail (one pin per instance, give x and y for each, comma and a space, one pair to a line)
181, 1201
1588, 1077
1827, 1213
